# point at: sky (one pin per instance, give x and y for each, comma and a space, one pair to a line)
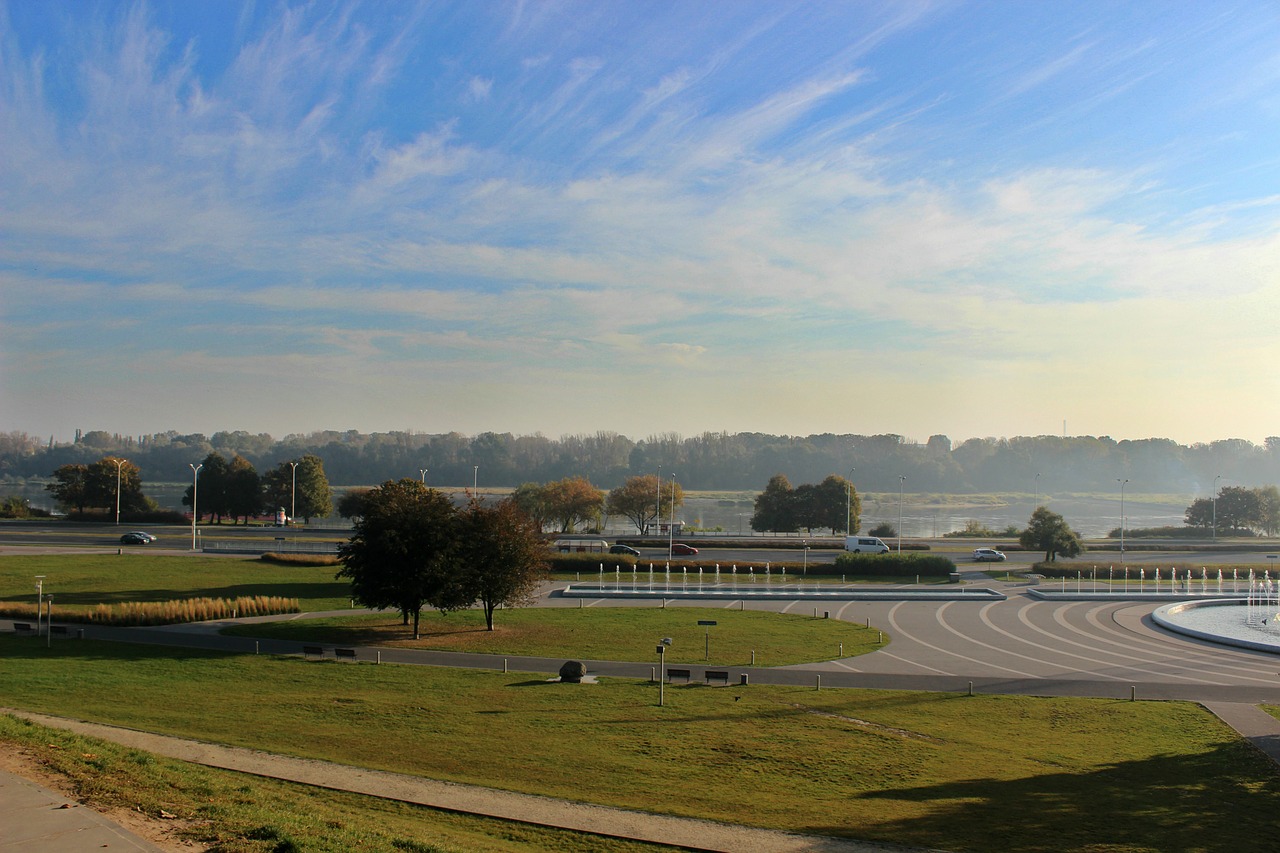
962, 218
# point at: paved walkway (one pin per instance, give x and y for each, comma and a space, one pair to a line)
471, 799
34, 819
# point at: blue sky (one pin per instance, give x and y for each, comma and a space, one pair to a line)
977, 219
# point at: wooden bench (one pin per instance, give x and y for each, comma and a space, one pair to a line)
677, 673
22, 627
722, 677
60, 630
345, 653
313, 651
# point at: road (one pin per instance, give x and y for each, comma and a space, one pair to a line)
47, 534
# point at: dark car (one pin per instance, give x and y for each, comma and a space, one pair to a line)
683, 550
137, 537
623, 549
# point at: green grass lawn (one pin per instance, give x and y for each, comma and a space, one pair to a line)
88, 579
945, 771
600, 633
238, 813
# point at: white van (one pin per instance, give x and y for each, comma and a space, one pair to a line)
865, 545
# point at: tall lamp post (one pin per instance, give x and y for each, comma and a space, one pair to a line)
293, 499
39, 600
475, 479
671, 524
1122, 485
657, 504
1037, 506
901, 481
119, 465
848, 504
195, 494
1215, 507
423, 472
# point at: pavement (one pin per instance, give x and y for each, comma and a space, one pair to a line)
34, 819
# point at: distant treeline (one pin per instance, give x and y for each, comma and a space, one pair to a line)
711, 461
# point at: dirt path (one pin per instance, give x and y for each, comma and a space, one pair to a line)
471, 799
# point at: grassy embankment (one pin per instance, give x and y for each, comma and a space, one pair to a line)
944, 771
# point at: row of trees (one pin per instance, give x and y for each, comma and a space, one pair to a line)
235, 489
1238, 510
707, 461
221, 489
833, 504
412, 548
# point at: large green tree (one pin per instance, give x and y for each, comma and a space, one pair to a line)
244, 489
644, 500
69, 487
304, 492
503, 556
1049, 532
775, 507
1238, 509
404, 552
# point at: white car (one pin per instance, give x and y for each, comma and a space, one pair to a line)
987, 555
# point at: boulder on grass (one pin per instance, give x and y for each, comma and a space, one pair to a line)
572, 671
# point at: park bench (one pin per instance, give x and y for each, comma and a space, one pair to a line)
716, 675
59, 630
677, 673
345, 653
22, 627
313, 651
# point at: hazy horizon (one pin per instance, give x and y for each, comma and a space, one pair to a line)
974, 219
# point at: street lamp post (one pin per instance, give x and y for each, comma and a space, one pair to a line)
657, 504
423, 472
475, 480
195, 494
119, 465
848, 504
901, 480
1037, 506
1122, 485
1215, 507
293, 499
671, 523
39, 600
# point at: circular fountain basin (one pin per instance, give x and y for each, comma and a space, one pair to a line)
1225, 622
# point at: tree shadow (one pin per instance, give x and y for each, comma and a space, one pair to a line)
1225, 799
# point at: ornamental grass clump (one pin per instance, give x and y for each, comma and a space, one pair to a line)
143, 613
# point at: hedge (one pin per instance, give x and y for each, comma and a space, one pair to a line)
893, 565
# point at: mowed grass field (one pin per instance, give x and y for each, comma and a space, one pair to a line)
948, 772
86, 579
599, 633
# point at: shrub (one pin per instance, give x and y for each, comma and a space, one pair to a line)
883, 530
973, 529
894, 565
142, 613
300, 559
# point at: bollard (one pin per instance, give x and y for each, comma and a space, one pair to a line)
818, 685
579, 603
379, 656
815, 613
504, 664
753, 657
255, 647
743, 679
879, 636
970, 688
653, 674
742, 605
664, 604
868, 621
1133, 693
842, 650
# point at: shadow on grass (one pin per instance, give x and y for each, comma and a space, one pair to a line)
1225, 799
